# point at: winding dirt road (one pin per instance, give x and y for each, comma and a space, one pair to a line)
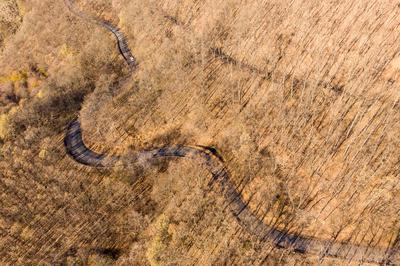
213, 162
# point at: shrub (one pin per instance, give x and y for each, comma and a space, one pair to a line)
3, 126
160, 240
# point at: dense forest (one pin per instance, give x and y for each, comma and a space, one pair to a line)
300, 97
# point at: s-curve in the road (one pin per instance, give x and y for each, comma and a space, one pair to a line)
251, 222
212, 160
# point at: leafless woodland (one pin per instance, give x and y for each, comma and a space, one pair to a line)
301, 98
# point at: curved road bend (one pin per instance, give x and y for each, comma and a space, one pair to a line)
214, 163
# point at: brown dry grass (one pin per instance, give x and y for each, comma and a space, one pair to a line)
299, 96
